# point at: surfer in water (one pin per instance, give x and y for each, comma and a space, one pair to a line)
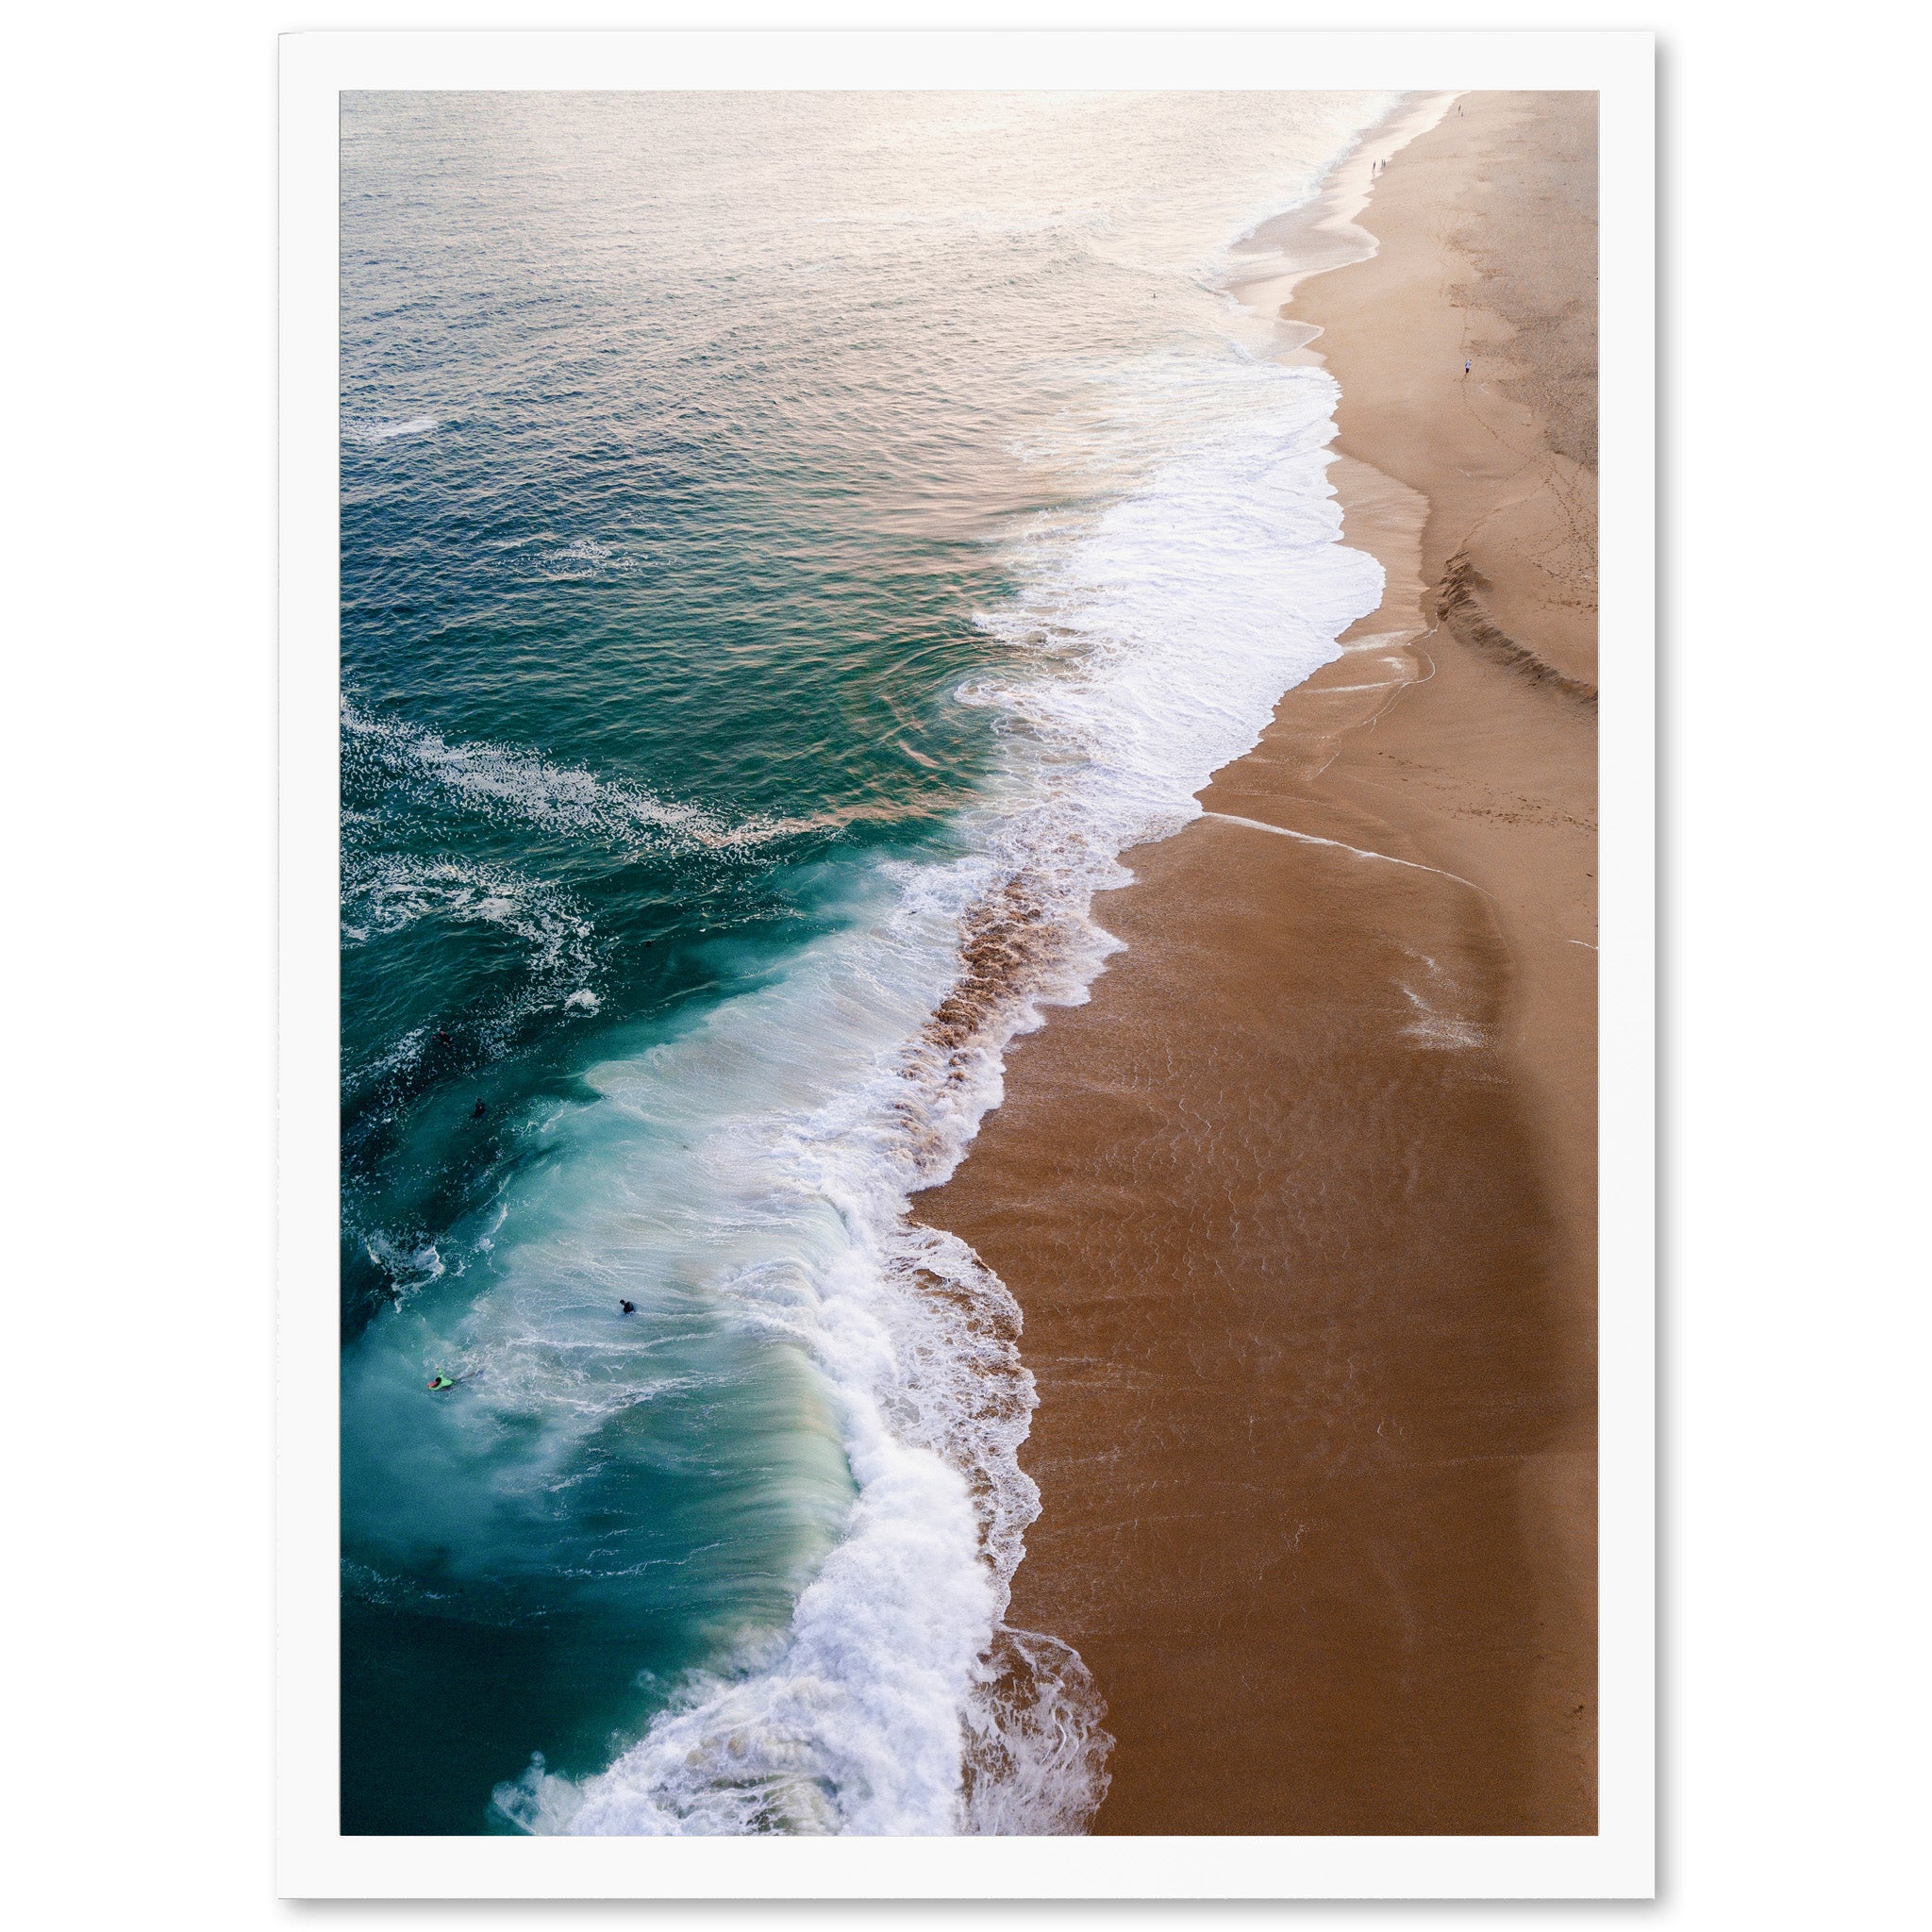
440, 1381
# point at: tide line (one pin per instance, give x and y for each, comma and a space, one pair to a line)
1360, 851
1230, 818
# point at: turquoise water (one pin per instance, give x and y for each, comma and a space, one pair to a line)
791, 543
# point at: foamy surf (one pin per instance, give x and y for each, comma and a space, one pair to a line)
747, 1171
895, 1673
1146, 650
517, 784
514, 783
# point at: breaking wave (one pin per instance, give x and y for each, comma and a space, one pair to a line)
1144, 651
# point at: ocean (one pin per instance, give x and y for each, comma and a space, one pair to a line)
791, 545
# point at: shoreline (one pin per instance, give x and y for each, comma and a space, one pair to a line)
1299, 1208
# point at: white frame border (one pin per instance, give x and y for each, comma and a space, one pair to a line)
315, 1861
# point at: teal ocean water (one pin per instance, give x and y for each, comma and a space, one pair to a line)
791, 544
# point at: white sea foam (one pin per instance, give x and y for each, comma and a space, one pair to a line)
385, 893
584, 556
1190, 606
511, 782
387, 431
514, 783
406, 1272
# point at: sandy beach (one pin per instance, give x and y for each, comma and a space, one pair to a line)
1300, 1206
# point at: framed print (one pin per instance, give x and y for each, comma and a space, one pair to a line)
966, 965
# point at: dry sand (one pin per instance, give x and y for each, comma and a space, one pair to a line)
1301, 1206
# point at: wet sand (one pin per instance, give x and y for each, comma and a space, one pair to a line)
1300, 1208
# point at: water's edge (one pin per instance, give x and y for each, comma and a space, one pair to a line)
934, 1423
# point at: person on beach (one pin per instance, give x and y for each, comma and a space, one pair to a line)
1465, 374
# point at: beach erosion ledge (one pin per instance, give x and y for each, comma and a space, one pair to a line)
1300, 1206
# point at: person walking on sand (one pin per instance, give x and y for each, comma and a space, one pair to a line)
1465, 369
